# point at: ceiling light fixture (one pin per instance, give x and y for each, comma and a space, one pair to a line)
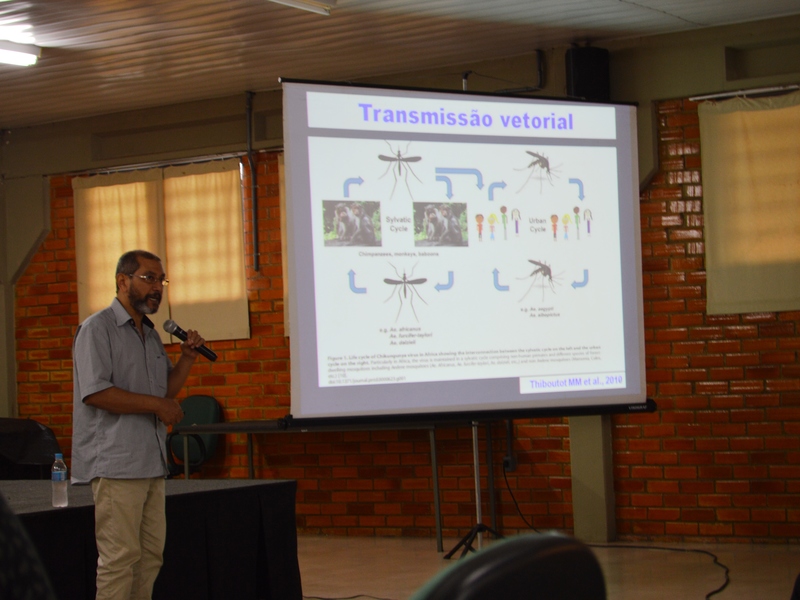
321, 7
22, 55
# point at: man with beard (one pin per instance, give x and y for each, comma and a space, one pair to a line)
123, 401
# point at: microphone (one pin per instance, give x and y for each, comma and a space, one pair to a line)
172, 328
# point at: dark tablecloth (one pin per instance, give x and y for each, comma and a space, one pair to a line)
226, 539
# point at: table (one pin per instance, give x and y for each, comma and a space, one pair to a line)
225, 539
304, 425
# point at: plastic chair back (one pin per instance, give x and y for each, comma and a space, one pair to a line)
198, 410
27, 449
529, 567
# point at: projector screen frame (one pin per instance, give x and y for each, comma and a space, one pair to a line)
419, 420
487, 411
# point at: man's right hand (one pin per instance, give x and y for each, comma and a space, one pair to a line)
170, 411
122, 402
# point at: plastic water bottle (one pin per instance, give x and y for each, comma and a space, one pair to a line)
58, 475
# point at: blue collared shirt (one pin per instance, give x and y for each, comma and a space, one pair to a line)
108, 351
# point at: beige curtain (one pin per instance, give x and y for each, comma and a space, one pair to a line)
750, 152
113, 214
192, 218
205, 249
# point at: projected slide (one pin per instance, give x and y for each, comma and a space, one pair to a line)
455, 253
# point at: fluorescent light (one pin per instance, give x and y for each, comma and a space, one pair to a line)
22, 55
320, 7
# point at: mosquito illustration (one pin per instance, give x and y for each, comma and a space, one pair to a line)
397, 161
405, 289
542, 273
540, 164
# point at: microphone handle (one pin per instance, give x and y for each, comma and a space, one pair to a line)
207, 352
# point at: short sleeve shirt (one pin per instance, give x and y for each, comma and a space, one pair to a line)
108, 351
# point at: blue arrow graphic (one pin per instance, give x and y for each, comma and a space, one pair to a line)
443, 171
448, 183
353, 288
497, 184
349, 182
577, 284
579, 183
497, 286
445, 286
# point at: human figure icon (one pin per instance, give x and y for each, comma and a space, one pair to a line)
516, 217
492, 220
504, 218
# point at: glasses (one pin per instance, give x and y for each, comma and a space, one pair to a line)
151, 279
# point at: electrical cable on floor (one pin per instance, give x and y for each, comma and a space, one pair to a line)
666, 549
695, 550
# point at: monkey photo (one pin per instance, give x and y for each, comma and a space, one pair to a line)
452, 235
346, 223
439, 225
435, 223
351, 223
365, 231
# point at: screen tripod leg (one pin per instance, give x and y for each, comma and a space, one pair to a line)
480, 528
467, 540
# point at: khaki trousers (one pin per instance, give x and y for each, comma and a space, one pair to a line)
130, 529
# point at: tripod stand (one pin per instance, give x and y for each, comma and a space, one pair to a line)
480, 528
467, 540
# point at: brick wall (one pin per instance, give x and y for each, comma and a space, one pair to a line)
719, 460
721, 457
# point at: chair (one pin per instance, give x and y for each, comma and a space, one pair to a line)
27, 449
198, 410
533, 567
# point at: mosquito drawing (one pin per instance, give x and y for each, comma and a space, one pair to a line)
542, 273
405, 289
541, 165
397, 161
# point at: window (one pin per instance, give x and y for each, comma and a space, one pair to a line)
190, 216
751, 191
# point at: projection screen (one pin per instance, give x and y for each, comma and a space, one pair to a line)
455, 254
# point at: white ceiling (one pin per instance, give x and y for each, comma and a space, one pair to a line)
104, 56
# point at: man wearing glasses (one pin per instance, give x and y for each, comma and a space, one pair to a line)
123, 401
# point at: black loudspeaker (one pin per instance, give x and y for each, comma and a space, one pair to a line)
587, 74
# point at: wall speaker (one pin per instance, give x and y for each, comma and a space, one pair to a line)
587, 74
